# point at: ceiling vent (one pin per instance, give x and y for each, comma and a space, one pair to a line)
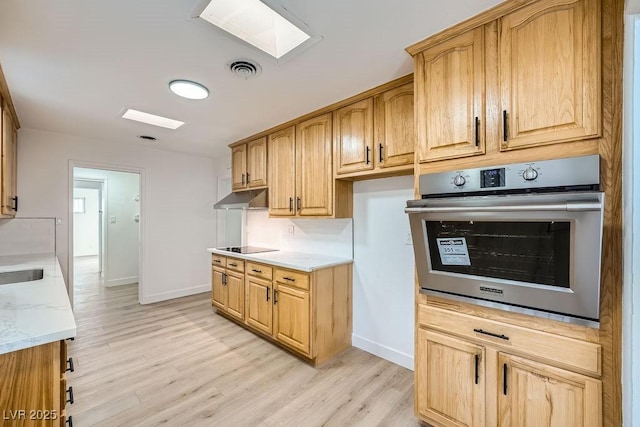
147, 138
245, 68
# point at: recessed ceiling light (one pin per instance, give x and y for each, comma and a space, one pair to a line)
151, 119
257, 24
188, 89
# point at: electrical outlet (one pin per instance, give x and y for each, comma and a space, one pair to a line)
291, 230
112, 219
408, 239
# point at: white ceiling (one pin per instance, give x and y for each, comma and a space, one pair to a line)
73, 66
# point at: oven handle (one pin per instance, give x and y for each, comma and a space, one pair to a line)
569, 206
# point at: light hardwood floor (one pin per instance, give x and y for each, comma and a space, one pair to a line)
179, 363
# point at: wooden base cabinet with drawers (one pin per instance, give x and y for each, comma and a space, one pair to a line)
33, 386
227, 285
472, 371
307, 313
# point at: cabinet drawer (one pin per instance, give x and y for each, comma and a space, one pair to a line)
218, 261
556, 350
259, 270
235, 264
291, 278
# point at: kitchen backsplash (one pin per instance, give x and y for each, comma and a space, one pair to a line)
22, 236
333, 237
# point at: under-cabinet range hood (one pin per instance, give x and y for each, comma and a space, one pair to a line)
252, 199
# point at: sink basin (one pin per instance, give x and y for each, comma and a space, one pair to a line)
8, 277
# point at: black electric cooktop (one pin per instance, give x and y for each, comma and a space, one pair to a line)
246, 249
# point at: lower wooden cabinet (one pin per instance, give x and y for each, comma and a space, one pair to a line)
308, 313
33, 387
462, 381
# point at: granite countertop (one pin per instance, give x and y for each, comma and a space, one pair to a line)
293, 260
36, 312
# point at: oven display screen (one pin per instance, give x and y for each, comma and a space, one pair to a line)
532, 252
490, 178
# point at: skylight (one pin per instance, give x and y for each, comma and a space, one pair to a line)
257, 24
151, 119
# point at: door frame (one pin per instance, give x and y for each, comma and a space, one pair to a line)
97, 184
142, 265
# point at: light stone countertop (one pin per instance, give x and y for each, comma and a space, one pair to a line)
36, 312
293, 260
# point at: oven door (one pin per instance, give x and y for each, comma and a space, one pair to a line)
536, 254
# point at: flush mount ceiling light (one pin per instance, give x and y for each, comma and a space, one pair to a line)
188, 89
257, 24
151, 119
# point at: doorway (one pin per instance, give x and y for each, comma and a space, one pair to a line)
106, 232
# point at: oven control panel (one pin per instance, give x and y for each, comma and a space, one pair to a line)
573, 171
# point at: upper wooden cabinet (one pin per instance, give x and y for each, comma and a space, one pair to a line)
353, 137
375, 133
549, 65
394, 131
282, 172
8, 165
249, 165
450, 98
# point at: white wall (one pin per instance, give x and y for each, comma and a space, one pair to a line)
178, 222
383, 285
122, 236
22, 236
86, 225
631, 220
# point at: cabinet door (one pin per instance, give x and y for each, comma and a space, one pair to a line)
218, 288
239, 167
394, 132
353, 137
450, 380
282, 172
450, 99
537, 395
292, 318
235, 295
257, 163
9, 163
260, 305
550, 72
314, 174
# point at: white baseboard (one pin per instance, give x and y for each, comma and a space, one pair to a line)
122, 281
178, 293
387, 353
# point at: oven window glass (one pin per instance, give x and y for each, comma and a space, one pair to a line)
532, 252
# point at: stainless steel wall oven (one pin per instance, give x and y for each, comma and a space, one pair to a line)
520, 237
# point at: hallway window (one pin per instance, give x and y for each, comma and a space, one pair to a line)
79, 205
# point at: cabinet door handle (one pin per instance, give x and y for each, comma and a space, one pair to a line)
502, 337
275, 296
256, 271
298, 203
267, 294
477, 376
224, 279
69, 421
380, 152
367, 154
247, 178
289, 279
243, 179
477, 131
504, 125
15, 203
504, 379
70, 367
290, 204
70, 393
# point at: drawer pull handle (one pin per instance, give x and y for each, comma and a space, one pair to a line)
70, 393
71, 339
289, 279
233, 265
491, 334
70, 367
256, 271
69, 421
217, 261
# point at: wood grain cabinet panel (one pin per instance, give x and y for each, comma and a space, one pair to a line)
235, 294
239, 167
353, 137
282, 172
450, 98
450, 380
257, 163
549, 67
8, 169
292, 318
394, 127
537, 395
218, 290
227, 286
260, 305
